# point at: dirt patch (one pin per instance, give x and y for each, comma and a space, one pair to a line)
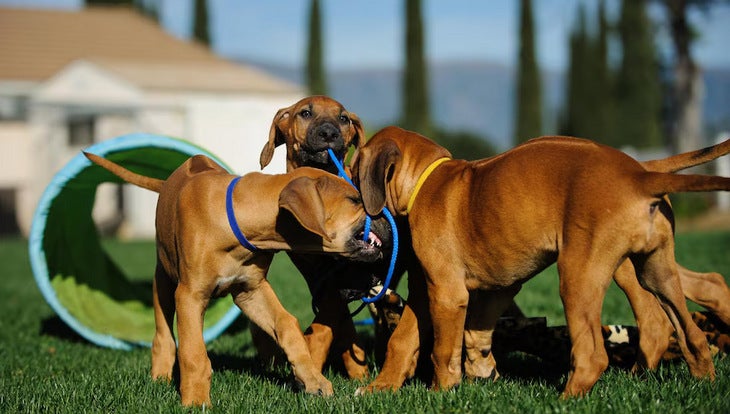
713, 220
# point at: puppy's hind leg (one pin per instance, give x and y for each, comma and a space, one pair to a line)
163, 343
260, 304
584, 278
654, 327
708, 290
658, 273
195, 368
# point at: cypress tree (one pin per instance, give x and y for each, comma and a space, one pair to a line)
416, 116
577, 83
638, 90
589, 96
528, 120
316, 79
603, 83
201, 31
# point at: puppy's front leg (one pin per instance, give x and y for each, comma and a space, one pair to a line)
448, 300
408, 338
484, 310
263, 308
333, 328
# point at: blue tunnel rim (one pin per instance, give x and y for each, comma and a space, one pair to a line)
71, 170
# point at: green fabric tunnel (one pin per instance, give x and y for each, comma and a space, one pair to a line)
76, 276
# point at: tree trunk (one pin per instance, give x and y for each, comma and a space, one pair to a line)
686, 133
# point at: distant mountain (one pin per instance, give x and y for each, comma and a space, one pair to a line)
475, 96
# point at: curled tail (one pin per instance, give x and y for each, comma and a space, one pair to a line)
658, 183
688, 159
152, 184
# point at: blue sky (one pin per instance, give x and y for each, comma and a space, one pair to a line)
369, 33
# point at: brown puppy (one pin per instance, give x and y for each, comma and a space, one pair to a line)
504, 219
199, 256
308, 129
707, 289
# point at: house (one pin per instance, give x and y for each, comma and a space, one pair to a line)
69, 79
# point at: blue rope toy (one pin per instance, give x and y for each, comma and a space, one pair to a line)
388, 216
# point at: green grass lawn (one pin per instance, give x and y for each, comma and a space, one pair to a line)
46, 367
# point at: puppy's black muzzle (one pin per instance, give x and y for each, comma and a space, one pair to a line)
321, 137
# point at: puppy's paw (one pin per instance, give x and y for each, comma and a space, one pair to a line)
163, 377
362, 391
321, 387
374, 387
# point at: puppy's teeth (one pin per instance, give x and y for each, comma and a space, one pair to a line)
373, 239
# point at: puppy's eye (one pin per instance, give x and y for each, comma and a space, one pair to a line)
306, 113
344, 119
355, 200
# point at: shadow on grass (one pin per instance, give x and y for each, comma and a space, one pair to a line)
527, 369
273, 369
55, 327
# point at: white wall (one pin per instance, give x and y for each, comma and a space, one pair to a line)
15, 152
237, 128
17, 168
140, 206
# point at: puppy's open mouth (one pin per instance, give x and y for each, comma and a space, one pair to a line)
318, 158
368, 248
372, 240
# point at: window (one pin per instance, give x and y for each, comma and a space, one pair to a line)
13, 108
8, 222
81, 130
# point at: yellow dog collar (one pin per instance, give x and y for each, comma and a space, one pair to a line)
422, 179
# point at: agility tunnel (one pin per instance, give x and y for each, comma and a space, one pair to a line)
76, 275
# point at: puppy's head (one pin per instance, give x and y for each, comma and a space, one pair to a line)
308, 129
331, 211
387, 168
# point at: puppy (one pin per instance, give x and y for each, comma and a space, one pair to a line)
308, 129
480, 229
217, 236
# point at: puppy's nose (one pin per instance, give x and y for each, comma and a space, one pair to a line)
328, 133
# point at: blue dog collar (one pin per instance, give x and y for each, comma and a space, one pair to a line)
232, 217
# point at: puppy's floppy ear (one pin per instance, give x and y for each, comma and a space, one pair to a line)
359, 139
302, 198
276, 136
374, 170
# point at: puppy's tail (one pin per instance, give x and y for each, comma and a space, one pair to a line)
658, 184
152, 184
688, 159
